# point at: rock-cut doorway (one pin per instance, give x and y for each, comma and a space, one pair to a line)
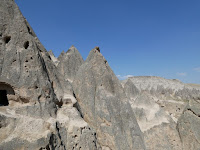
3, 98
6, 91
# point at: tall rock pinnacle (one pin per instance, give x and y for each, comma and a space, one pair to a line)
105, 106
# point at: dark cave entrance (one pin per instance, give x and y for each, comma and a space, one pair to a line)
6, 91
3, 98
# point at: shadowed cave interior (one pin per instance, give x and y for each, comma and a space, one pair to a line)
5, 90
3, 98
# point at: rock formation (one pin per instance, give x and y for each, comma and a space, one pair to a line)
34, 91
53, 58
104, 105
159, 106
65, 103
171, 95
69, 63
22, 66
188, 125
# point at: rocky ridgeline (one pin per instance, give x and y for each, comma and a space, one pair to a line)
162, 111
165, 88
68, 103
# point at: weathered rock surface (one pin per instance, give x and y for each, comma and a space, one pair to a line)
65, 103
158, 103
33, 89
104, 105
22, 66
157, 125
53, 58
67, 131
188, 126
131, 90
69, 63
171, 95
165, 88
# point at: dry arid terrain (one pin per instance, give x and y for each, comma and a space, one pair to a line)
66, 103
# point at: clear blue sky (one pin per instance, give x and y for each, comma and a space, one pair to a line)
137, 37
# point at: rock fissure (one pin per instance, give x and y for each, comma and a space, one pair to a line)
190, 110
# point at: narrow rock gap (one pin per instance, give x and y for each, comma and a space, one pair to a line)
60, 137
77, 106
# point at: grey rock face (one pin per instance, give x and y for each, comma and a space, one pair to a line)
66, 103
31, 86
131, 90
104, 105
67, 131
165, 88
171, 95
54, 59
22, 65
69, 63
157, 125
188, 126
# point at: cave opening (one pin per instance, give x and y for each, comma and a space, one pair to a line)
7, 39
6, 91
3, 98
26, 44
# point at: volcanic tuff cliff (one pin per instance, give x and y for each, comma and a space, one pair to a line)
68, 103
40, 112
166, 111
38, 108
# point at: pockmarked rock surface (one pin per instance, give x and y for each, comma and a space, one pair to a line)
64, 103
22, 66
36, 103
104, 105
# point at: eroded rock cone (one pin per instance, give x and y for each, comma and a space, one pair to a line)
69, 63
104, 105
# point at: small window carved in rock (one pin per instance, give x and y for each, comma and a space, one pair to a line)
7, 39
26, 44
